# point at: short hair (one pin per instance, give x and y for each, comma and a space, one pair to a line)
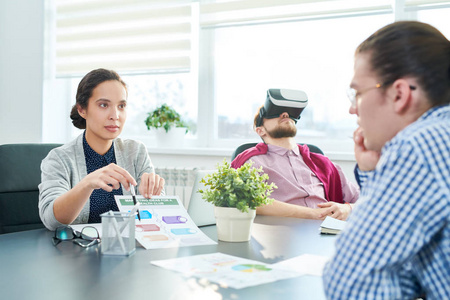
411, 48
256, 118
85, 88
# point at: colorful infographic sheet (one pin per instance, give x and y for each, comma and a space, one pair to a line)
226, 270
164, 223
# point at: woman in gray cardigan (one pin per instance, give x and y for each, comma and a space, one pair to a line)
80, 178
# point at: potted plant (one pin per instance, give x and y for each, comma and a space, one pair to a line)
236, 193
168, 124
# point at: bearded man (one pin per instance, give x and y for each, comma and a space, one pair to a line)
309, 185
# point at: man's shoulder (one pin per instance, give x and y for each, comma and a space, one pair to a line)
260, 159
432, 127
245, 155
424, 136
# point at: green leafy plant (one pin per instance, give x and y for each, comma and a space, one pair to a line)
243, 188
165, 117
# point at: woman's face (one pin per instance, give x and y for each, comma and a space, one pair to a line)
106, 112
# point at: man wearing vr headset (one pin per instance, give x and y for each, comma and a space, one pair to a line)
309, 185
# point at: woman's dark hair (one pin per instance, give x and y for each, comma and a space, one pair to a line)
410, 48
89, 82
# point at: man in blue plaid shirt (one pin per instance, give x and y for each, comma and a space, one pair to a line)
397, 241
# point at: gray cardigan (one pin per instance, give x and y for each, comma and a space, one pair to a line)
65, 166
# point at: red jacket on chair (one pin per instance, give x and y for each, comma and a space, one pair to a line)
319, 165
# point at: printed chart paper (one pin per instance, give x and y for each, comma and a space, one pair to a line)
226, 270
164, 223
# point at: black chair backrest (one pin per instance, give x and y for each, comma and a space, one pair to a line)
20, 175
243, 147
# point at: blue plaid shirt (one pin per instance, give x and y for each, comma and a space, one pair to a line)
397, 241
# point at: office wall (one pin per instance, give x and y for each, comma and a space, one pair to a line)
21, 70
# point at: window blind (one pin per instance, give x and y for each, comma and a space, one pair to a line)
425, 4
126, 36
238, 12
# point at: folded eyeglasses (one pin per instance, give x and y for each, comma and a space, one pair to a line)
88, 236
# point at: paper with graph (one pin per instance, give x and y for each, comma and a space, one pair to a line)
164, 223
226, 270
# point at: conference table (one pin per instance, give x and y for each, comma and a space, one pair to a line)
32, 268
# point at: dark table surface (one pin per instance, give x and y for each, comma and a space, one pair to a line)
32, 268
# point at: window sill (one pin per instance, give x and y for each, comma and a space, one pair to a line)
191, 151
226, 152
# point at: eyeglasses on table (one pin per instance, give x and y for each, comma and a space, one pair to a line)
88, 236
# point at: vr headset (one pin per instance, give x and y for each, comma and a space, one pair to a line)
279, 101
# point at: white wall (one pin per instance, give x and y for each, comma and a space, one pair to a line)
21, 70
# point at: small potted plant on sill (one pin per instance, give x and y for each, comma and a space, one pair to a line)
236, 193
168, 124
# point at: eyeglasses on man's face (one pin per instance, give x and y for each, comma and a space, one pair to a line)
88, 236
353, 95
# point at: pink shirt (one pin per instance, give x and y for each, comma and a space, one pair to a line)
297, 184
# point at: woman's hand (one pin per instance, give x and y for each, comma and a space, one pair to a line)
366, 159
151, 184
336, 210
109, 178
69, 205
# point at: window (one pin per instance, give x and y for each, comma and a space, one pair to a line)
145, 93
127, 36
436, 17
214, 60
314, 56
149, 43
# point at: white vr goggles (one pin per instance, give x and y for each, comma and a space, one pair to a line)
279, 101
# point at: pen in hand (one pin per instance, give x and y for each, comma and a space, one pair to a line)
133, 195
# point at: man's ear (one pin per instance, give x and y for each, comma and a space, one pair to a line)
81, 111
260, 131
402, 96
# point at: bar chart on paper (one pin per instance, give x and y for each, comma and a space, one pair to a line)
164, 223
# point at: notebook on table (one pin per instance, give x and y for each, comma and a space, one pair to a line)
332, 226
201, 212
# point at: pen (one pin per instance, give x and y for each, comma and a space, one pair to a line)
133, 195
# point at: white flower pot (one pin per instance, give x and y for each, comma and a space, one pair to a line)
173, 138
234, 225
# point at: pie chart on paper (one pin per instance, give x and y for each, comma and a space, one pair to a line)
249, 268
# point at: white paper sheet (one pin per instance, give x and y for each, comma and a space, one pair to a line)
227, 270
164, 223
306, 264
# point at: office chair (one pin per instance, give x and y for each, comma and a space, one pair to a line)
20, 175
243, 147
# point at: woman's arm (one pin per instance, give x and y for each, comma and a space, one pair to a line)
63, 193
69, 205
